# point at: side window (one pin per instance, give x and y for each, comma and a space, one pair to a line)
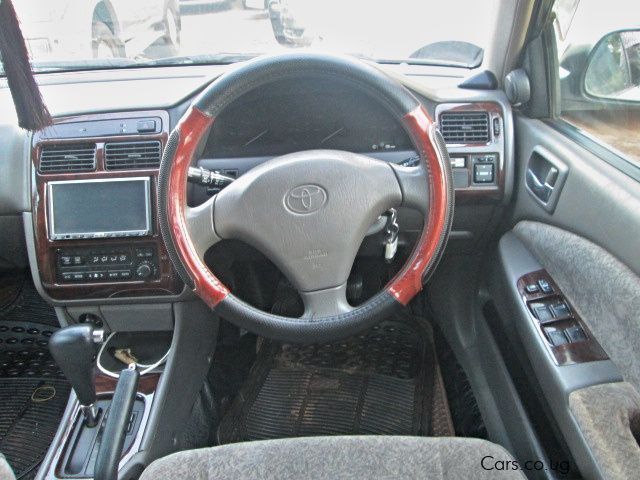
599, 70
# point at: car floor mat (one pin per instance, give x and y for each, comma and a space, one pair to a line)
385, 381
30, 412
20, 302
33, 390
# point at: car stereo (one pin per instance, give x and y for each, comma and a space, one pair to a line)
121, 263
99, 208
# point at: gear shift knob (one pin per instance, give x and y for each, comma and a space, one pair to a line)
74, 350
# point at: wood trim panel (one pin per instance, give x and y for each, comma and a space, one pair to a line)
588, 350
147, 384
167, 283
480, 193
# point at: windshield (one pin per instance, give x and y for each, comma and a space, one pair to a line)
86, 34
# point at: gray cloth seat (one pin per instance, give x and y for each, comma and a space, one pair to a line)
5, 470
361, 457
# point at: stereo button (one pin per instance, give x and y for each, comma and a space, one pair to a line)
144, 270
65, 260
96, 275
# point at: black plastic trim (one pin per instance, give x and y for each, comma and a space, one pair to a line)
484, 80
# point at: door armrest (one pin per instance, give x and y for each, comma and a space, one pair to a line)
609, 417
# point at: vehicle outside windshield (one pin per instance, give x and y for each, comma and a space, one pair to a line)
86, 34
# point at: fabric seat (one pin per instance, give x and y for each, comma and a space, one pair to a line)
362, 457
5, 470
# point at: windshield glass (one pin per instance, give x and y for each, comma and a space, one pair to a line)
86, 34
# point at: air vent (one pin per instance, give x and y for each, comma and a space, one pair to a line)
65, 158
465, 127
132, 155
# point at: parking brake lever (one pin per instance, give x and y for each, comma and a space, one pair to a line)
115, 429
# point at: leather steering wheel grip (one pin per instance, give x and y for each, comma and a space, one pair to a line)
191, 132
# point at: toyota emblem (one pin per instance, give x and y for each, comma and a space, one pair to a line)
305, 199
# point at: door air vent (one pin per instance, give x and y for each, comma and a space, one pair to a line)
132, 155
465, 127
67, 158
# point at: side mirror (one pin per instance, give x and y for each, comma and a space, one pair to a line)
613, 68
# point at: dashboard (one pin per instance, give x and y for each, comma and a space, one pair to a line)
292, 116
92, 228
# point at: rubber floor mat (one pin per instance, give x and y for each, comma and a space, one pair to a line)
33, 391
30, 411
383, 382
24, 351
20, 302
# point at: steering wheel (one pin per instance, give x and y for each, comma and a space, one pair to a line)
308, 211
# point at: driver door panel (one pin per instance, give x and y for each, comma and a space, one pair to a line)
587, 242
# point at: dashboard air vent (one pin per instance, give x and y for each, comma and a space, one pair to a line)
67, 157
465, 127
132, 155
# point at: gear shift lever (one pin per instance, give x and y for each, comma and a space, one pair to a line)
74, 350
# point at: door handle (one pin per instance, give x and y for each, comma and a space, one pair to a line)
542, 189
544, 177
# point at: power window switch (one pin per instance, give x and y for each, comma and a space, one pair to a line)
575, 334
556, 336
541, 311
545, 286
532, 288
560, 310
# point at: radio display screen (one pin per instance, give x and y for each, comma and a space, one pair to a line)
99, 208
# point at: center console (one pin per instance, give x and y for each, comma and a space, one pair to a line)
95, 207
